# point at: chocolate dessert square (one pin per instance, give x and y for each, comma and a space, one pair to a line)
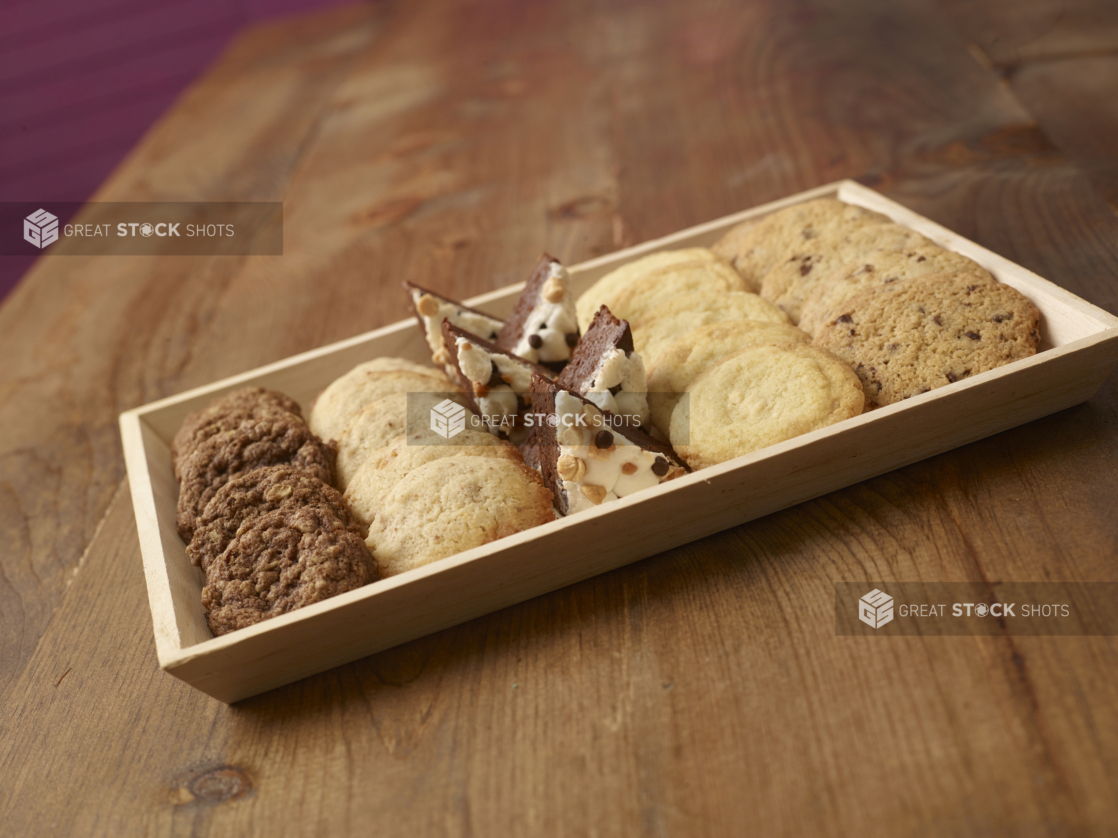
543, 326
589, 456
605, 369
432, 309
497, 383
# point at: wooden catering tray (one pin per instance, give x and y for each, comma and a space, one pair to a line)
1079, 349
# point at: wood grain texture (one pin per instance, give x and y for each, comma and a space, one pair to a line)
1010, 32
1073, 101
702, 691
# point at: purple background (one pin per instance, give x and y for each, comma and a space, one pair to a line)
81, 80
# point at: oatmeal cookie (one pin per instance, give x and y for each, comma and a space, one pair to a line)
255, 493
281, 561
282, 439
226, 413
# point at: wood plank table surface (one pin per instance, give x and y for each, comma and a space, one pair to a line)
699, 692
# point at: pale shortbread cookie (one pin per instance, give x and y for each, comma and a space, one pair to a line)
674, 318
390, 364
453, 504
595, 296
345, 396
681, 362
882, 267
805, 265
381, 422
639, 298
382, 469
754, 247
763, 395
913, 336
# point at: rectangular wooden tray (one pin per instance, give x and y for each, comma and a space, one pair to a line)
1079, 349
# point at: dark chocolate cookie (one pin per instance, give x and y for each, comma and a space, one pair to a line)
248, 496
282, 561
276, 439
227, 413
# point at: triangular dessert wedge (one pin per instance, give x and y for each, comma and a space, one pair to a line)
543, 326
607, 371
497, 384
432, 309
589, 456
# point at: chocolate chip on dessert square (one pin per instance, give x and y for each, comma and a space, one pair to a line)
496, 382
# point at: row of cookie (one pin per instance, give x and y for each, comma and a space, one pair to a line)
258, 513
422, 495
694, 313
907, 315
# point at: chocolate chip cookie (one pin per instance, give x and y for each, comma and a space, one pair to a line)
913, 336
804, 266
755, 247
881, 267
276, 439
253, 494
281, 561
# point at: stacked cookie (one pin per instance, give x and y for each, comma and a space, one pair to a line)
907, 315
883, 314
694, 312
258, 513
417, 495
